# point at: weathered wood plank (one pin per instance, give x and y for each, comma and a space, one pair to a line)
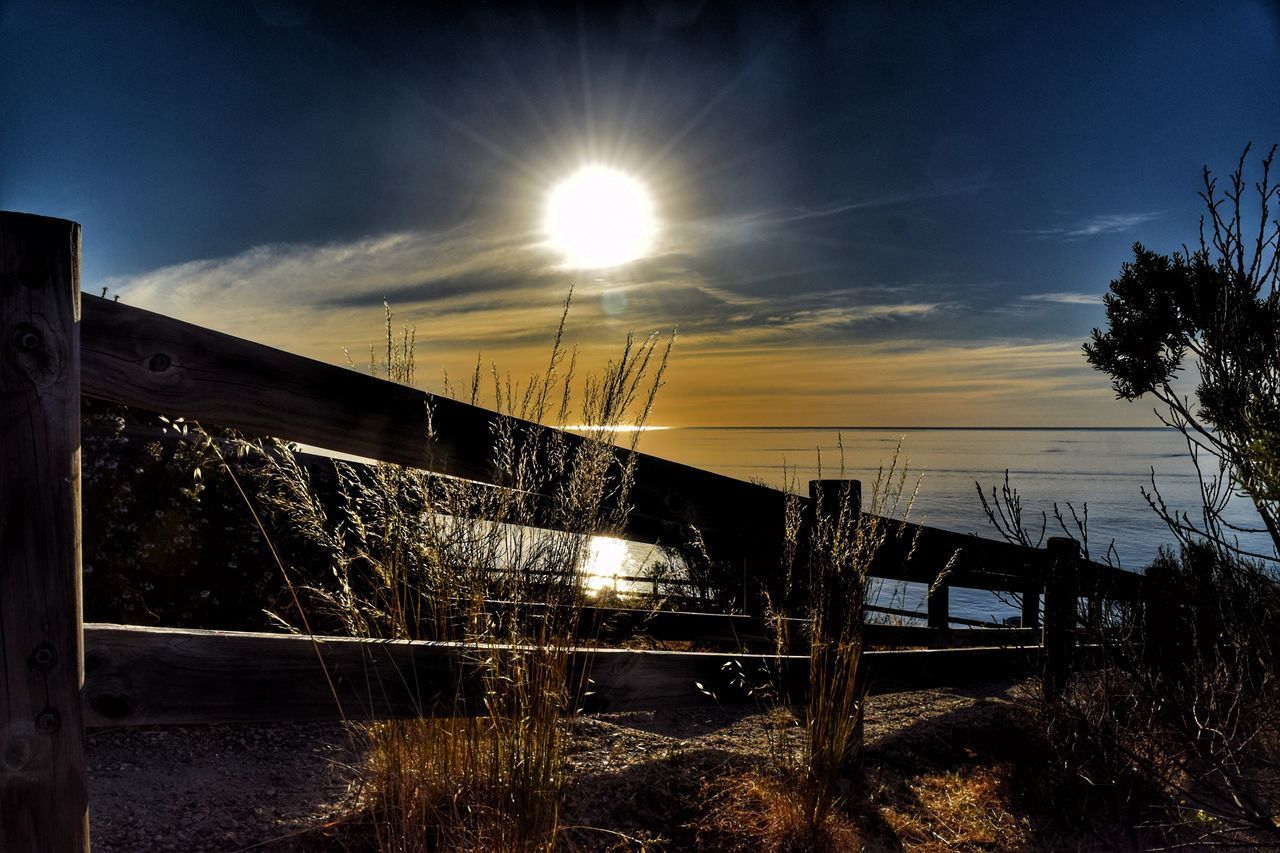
161, 364
43, 800
1110, 583
146, 676
917, 553
737, 632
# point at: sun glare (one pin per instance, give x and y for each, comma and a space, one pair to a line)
600, 217
604, 562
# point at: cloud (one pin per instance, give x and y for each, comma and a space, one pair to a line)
787, 350
1065, 298
467, 290
428, 266
1111, 223
782, 220
907, 381
879, 202
797, 318
781, 347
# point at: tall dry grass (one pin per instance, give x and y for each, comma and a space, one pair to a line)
816, 750
418, 556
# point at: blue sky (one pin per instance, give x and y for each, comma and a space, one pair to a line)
871, 213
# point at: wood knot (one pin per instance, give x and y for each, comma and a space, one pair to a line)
27, 338
44, 658
33, 355
159, 363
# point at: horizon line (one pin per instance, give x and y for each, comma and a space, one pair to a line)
916, 428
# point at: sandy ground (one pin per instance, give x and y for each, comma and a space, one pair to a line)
259, 787
205, 788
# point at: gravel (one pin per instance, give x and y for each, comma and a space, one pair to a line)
259, 787
213, 788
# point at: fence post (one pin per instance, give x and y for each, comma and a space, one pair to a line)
1060, 604
828, 498
43, 798
939, 606
1031, 608
1094, 593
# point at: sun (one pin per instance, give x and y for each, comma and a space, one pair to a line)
600, 217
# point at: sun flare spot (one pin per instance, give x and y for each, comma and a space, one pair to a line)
605, 556
600, 217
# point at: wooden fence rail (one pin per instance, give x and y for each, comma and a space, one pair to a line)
160, 364
56, 344
152, 676
739, 632
157, 363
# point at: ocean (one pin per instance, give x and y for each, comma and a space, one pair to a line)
1104, 469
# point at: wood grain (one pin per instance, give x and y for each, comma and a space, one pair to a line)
149, 676
43, 804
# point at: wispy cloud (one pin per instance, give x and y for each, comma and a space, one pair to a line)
910, 380
879, 202
1110, 223
743, 357
1065, 298
477, 291
837, 316
428, 266
789, 219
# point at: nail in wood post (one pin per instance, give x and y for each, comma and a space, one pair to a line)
43, 802
1060, 603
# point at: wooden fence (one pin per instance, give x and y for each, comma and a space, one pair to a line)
60, 675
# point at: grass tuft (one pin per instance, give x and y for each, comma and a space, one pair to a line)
759, 811
418, 556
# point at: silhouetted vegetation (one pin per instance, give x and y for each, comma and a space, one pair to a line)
1183, 717
1218, 304
166, 537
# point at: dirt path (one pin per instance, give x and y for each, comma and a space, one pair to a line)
226, 788
211, 788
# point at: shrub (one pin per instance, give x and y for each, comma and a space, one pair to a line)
1186, 706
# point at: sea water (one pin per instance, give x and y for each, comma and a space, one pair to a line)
1104, 470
